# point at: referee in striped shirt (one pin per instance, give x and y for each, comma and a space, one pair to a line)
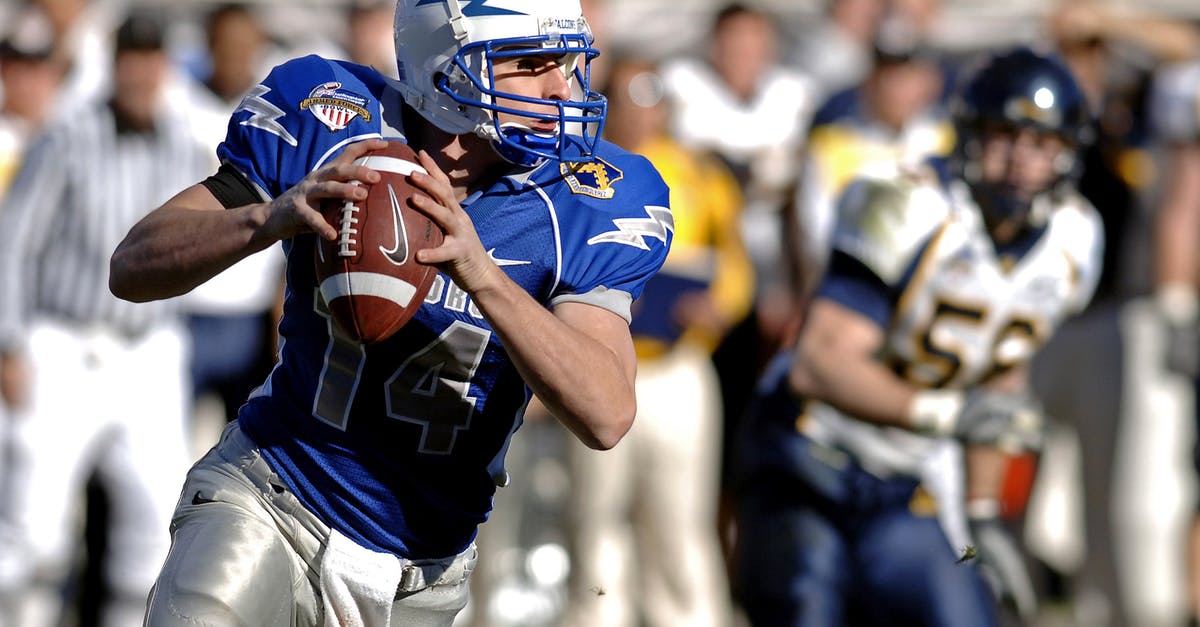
95, 383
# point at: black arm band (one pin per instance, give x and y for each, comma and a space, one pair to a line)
231, 187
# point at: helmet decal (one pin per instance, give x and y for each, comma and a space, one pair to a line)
475, 8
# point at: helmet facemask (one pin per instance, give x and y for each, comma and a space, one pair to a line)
447, 52
1003, 200
1015, 93
516, 142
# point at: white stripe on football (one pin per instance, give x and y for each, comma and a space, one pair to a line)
381, 163
368, 284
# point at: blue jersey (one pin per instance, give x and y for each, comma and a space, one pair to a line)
400, 444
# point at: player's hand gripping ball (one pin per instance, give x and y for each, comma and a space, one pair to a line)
369, 276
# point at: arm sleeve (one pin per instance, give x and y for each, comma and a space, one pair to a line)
854, 286
231, 187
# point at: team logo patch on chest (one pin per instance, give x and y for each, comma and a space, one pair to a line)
334, 106
593, 179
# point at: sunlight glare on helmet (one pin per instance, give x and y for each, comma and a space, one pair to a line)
1043, 98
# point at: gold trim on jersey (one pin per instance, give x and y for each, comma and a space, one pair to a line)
920, 276
923, 503
804, 419
1075, 276
1007, 262
924, 265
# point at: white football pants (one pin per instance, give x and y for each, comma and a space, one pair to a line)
105, 402
643, 514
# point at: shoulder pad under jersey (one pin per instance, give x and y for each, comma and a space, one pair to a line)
1077, 228
615, 218
301, 115
884, 222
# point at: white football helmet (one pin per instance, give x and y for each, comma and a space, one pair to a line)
444, 53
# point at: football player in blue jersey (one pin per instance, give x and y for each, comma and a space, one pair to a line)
870, 459
350, 488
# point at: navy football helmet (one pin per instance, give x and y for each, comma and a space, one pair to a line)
1018, 88
445, 50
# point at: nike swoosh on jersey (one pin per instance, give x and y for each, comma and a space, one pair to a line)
505, 262
398, 253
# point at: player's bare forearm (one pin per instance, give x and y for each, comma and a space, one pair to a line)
1179, 219
1165, 38
836, 363
14, 379
183, 244
193, 237
985, 472
579, 360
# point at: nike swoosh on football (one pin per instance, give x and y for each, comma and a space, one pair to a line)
505, 262
398, 254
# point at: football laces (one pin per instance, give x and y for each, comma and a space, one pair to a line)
348, 230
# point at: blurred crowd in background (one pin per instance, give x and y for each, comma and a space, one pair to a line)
757, 114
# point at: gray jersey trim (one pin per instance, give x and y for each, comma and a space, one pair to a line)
619, 302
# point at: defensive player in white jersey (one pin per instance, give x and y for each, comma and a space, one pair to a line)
914, 353
350, 488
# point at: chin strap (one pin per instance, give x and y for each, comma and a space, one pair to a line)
456, 20
520, 146
998, 203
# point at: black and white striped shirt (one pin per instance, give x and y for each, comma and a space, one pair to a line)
84, 183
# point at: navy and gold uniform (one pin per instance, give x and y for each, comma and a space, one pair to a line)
840, 506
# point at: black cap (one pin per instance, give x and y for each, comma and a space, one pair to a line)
28, 37
140, 31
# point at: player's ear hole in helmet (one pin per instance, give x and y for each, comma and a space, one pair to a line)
1019, 93
446, 51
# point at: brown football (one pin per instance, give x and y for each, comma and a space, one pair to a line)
369, 277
